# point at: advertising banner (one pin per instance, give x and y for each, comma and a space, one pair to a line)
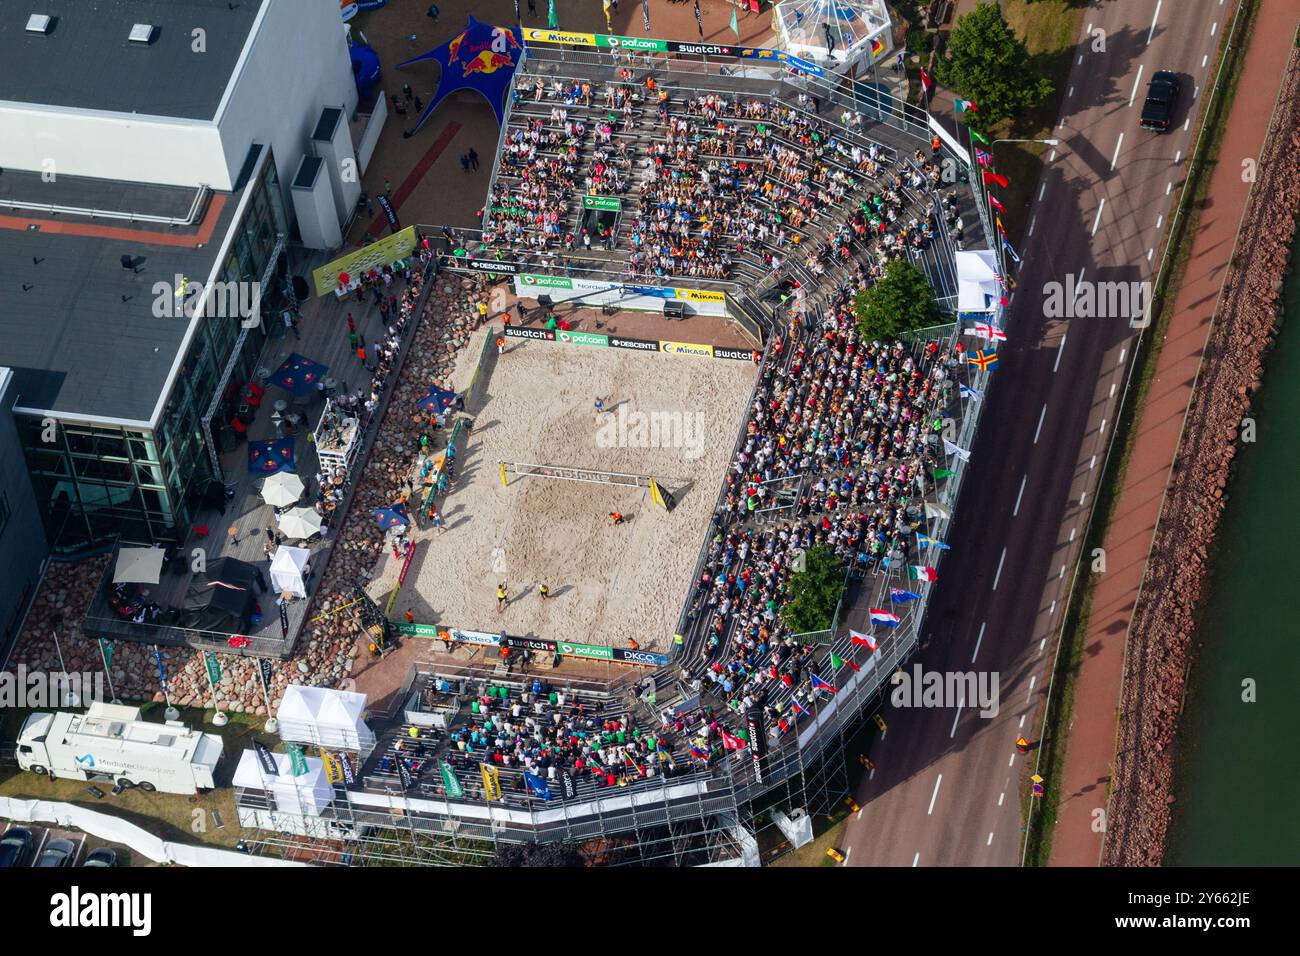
389, 212
605, 203
491, 782
487, 265
742, 355
644, 658
449, 782
582, 338
545, 335
687, 348
374, 256
406, 563
593, 651
640, 345
531, 643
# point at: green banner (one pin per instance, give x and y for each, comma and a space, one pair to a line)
607, 203
449, 782
582, 338
418, 630
546, 282
587, 650
630, 43
106, 648
296, 759
214, 667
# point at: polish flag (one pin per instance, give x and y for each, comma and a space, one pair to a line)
866, 640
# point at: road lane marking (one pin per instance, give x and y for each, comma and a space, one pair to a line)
1138, 79
977, 644
1015, 511
1080, 59
1082, 498
1022, 724
1069, 92
1114, 159
933, 797
871, 776
1196, 91
1012, 761
1204, 60
1186, 123
990, 843
1153, 21
917, 857
858, 815
1043, 642
1042, 189
849, 852
1214, 27
1169, 186
1150, 253
1112, 390
1041, 416
1060, 348
1096, 222
961, 702
1031, 224
1072, 533
997, 576
1160, 221
1078, 283
1178, 157
1062, 574
1122, 353
1092, 464
1102, 429
1032, 681
1051, 610
1001, 797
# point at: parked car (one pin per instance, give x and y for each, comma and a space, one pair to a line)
1162, 99
105, 856
57, 853
15, 847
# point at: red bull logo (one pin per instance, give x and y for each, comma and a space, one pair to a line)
488, 62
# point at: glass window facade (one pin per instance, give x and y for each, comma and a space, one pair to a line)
98, 483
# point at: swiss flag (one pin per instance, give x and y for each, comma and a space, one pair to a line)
731, 741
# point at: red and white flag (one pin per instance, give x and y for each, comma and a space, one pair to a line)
866, 640
988, 331
731, 741
926, 82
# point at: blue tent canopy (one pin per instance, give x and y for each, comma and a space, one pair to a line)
393, 516
438, 399
299, 375
268, 457
480, 58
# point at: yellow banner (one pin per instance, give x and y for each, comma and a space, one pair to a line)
700, 295
559, 36
491, 782
333, 772
687, 348
374, 256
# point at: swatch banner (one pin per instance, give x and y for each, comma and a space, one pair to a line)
346, 765
404, 773
265, 759
389, 212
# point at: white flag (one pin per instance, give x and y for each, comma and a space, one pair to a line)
988, 331
950, 449
936, 510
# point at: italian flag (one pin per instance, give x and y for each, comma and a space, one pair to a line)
922, 572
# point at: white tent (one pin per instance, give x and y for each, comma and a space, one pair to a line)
286, 570
325, 717
138, 566
307, 794
849, 32
978, 288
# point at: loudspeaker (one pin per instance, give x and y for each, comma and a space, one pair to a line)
545, 301
301, 291
674, 309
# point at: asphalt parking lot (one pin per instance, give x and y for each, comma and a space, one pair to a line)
82, 845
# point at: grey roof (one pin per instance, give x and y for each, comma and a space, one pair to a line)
82, 337
87, 62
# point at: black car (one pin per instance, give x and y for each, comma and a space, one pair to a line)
15, 847
57, 853
105, 856
1162, 98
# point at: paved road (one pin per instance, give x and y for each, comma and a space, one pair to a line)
948, 786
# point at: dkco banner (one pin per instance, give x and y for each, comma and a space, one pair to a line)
374, 256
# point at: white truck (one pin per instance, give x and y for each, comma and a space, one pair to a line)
110, 743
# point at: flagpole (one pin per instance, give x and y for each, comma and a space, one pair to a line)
108, 675
171, 713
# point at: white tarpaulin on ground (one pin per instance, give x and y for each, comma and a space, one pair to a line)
286, 570
307, 794
978, 289
138, 566
324, 717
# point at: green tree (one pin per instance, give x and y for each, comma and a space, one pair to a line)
814, 592
900, 301
987, 63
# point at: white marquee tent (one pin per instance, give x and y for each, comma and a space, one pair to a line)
286, 570
307, 794
978, 288
850, 32
325, 717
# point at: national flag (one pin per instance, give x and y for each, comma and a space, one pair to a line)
731, 741
876, 47
922, 572
899, 596
666, 757
926, 83
993, 201
978, 137
734, 28
866, 640
963, 105
922, 540
935, 510
795, 705
983, 158
984, 361
819, 684
941, 473
537, 785
837, 662
992, 177
699, 752
989, 331
972, 393
881, 616
1011, 252
998, 221
950, 449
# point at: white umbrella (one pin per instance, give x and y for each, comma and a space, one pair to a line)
300, 523
138, 566
282, 489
